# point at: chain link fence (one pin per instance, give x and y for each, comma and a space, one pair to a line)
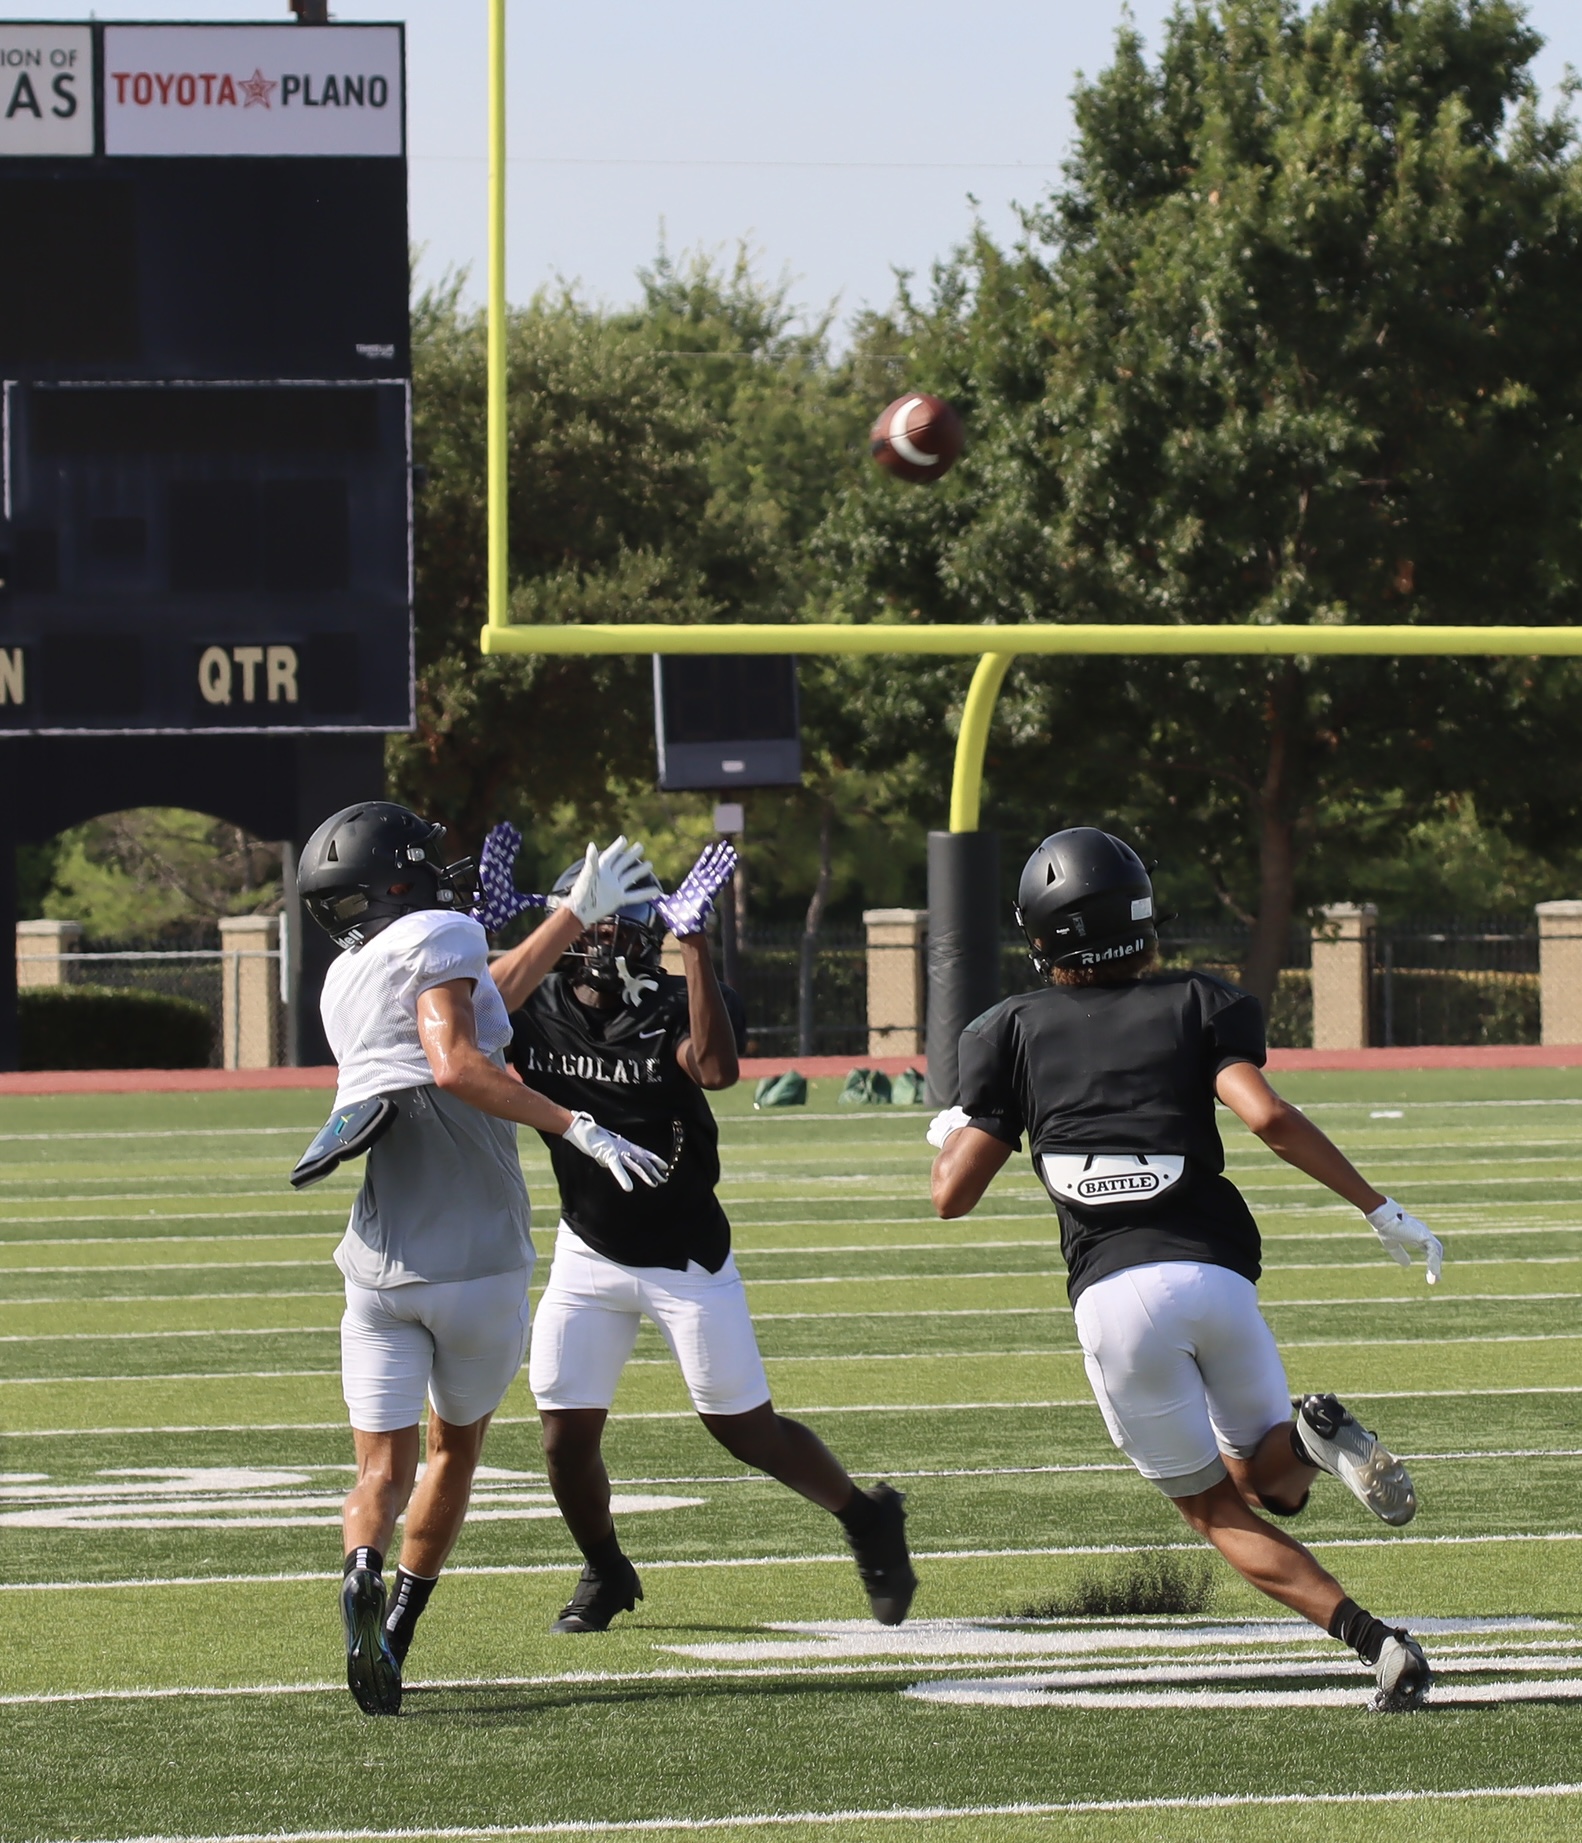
198, 970
770, 975
1462, 981
1431, 981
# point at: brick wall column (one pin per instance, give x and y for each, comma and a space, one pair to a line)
1560, 971
1342, 964
897, 980
250, 985
40, 947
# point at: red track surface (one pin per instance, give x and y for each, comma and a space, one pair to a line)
218, 1081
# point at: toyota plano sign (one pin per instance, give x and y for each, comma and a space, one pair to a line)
261, 90
205, 478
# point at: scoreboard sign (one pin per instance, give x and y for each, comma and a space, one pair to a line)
205, 478
46, 89
219, 90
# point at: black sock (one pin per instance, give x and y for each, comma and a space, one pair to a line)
1359, 1629
363, 1558
406, 1606
1296, 1442
605, 1557
858, 1516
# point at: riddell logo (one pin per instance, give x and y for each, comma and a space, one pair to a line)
1127, 1184
1113, 953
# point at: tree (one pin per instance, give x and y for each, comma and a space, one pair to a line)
1294, 343
158, 871
666, 464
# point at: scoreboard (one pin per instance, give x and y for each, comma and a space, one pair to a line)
205, 455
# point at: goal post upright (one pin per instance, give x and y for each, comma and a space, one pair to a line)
963, 862
499, 583
963, 893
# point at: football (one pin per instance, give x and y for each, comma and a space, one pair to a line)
918, 437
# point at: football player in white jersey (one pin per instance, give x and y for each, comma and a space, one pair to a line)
1112, 1071
437, 1253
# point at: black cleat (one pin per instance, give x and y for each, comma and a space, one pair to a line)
883, 1561
399, 1639
598, 1599
372, 1673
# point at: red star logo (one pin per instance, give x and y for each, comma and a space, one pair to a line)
257, 89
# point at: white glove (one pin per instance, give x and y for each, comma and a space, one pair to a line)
952, 1120
1401, 1233
609, 880
619, 1156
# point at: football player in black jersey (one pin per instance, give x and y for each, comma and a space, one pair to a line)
610, 1024
1112, 1070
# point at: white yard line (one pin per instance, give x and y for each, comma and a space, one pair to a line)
221, 1267
209, 1194
733, 1191
1321, 1343
1068, 1655
203, 1375
20, 1495
281, 1210
790, 1116
692, 1564
156, 1241
305, 1292
895, 1814
113, 1337
991, 1693
170, 1132
1366, 1252
1342, 1232
898, 1665
687, 1414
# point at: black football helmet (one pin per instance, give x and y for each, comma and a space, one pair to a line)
618, 956
368, 865
1084, 899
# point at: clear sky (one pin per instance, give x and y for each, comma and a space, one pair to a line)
841, 139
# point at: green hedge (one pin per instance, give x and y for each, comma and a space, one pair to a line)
1432, 1005
94, 1027
1435, 1005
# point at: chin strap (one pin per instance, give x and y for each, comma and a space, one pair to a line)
633, 985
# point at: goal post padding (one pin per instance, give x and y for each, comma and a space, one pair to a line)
963, 947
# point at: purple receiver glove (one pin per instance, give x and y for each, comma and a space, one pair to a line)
687, 908
499, 900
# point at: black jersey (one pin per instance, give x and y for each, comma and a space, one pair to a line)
620, 1066
1123, 1069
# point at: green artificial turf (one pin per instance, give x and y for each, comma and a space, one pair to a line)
173, 1450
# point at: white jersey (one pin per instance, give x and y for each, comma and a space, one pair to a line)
370, 999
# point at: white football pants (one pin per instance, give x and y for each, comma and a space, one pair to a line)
1184, 1369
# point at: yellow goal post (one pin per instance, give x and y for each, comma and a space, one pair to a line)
996, 647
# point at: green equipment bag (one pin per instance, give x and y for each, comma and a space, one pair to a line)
866, 1088
909, 1089
787, 1090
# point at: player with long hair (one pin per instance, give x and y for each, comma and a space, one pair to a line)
1112, 1070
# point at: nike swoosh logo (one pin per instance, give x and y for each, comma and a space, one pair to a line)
644, 1035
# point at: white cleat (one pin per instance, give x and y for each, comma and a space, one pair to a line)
1404, 1676
1340, 1445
